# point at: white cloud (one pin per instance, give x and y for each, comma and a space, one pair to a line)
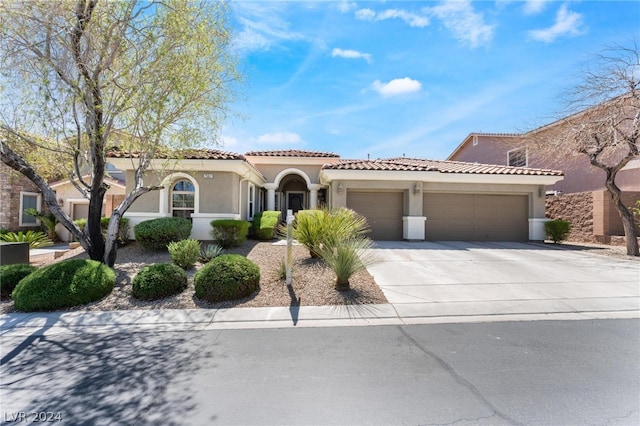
532, 7
279, 138
350, 54
567, 23
262, 26
467, 25
398, 86
411, 19
346, 6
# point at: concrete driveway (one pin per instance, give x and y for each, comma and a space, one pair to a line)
435, 279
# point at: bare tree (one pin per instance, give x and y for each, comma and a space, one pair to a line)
90, 75
602, 122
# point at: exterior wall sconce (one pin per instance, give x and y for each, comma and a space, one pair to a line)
60, 202
541, 191
416, 188
340, 188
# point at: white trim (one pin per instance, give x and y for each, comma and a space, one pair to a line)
235, 216
293, 171
328, 176
21, 212
165, 193
413, 228
251, 203
152, 215
536, 229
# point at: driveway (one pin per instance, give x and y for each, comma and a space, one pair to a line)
430, 279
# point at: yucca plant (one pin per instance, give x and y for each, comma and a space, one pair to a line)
36, 239
347, 258
209, 252
309, 229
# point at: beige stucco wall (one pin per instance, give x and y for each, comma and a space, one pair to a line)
271, 171
218, 194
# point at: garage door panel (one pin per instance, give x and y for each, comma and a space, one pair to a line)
476, 217
383, 211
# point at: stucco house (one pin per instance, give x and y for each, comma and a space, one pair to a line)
402, 198
580, 197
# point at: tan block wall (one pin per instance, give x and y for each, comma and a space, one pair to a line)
577, 208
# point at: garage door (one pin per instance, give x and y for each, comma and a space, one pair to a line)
383, 211
476, 217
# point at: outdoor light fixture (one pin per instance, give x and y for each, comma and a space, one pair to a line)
416, 188
340, 188
60, 202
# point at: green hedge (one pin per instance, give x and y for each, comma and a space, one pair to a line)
155, 234
265, 223
229, 232
158, 281
63, 285
227, 277
123, 229
10, 276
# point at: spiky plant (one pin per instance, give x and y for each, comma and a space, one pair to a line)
347, 258
36, 239
209, 252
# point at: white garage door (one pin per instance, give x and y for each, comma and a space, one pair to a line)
383, 211
476, 217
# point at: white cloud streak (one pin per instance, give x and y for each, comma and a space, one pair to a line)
411, 19
398, 86
532, 7
351, 54
262, 26
464, 22
567, 23
279, 138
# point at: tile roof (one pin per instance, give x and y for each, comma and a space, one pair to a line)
292, 153
420, 165
188, 154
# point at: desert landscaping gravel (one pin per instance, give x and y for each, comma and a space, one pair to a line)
312, 281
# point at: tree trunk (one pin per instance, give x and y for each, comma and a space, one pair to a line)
625, 214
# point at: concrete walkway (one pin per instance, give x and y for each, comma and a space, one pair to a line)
425, 283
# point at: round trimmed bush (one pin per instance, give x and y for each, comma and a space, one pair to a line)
63, 285
227, 277
158, 281
10, 276
155, 234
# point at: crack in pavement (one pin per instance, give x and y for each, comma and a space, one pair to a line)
459, 379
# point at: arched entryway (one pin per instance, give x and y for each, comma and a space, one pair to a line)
292, 189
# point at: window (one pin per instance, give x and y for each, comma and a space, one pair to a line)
251, 201
475, 140
517, 157
29, 200
183, 199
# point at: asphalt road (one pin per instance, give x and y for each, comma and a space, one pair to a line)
542, 372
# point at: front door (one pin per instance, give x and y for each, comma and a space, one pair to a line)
295, 201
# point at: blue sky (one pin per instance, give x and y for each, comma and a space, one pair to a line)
390, 78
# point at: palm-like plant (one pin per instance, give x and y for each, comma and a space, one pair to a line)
347, 258
36, 239
47, 219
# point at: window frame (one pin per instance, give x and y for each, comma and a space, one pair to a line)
515, 150
22, 214
251, 201
173, 208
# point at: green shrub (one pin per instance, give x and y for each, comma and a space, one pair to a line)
47, 219
81, 223
63, 285
318, 228
36, 239
210, 251
155, 234
158, 281
10, 276
265, 223
227, 277
348, 257
123, 229
229, 232
184, 253
557, 230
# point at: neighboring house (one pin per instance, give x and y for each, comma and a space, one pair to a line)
77, 206
580, 198
401, 198
16, 194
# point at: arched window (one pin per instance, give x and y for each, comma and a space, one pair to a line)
182, 199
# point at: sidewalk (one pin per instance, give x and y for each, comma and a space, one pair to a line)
16, 324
